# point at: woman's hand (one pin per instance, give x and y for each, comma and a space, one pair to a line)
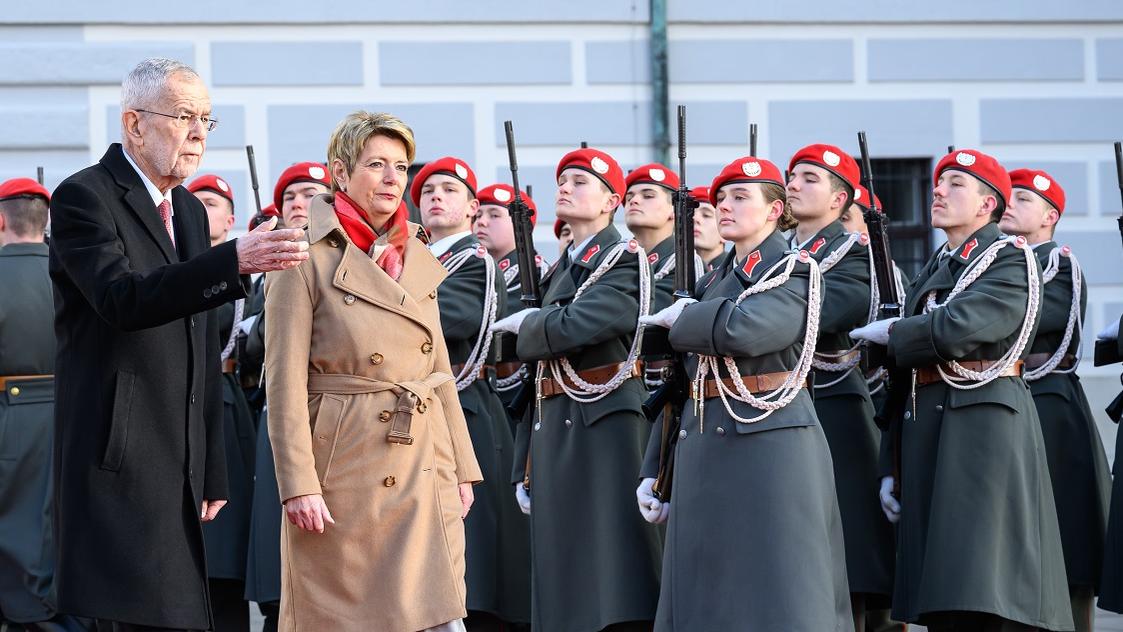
311, 513
466, 498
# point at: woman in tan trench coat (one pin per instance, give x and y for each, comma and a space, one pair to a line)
373, 459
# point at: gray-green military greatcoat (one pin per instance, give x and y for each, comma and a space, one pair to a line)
496, 531
1111, 586
506, 343
978, 529
842, 401
27, 348
1077, 461
754, 538
595, 562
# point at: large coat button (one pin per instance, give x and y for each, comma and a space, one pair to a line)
908, 414
376, 358
349, 299
384, 416
568, 423
720, 431
389, 481
14, 391
426, 347
681, 434
421, 407
538, 425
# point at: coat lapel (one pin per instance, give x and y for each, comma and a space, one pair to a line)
137, 199
950, 268
186, 224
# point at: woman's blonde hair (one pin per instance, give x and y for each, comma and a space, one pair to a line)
773, 192
353, 132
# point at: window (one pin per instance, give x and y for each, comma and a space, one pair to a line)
904, 186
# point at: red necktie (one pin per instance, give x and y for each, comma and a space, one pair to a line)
165, 209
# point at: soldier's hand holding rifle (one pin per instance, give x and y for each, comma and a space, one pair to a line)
667, 316
876, 332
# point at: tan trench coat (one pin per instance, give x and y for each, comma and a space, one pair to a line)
343, 342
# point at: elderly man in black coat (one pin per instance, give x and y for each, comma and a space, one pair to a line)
139, 459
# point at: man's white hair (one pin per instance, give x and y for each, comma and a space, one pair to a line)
143, 85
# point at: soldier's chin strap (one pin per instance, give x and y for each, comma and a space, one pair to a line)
478, 357
782, 396
964, 378
1073, 323
587, 392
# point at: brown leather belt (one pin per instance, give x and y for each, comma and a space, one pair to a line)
229, 365
755, 383
6, 379
930, 374
833, 357
507, 369
457, 368
1038, 360
596, 375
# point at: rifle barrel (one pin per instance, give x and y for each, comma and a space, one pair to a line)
752, 139
253, 178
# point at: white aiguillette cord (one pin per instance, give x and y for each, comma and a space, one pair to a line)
1073, 323
478, 356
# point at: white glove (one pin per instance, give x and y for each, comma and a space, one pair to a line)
889, 505
667, 316
246, 325
512, 323
1111, 332
522, 495
876, 332
653, 510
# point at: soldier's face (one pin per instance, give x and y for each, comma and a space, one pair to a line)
809, 193
706, 236
1027, 213
378, 179
220, 214
446, 203
648, 206
494, 229
743, 212
295, 201
583, 197
958, 200
853, 220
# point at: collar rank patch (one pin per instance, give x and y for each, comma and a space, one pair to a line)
504, 264
445, 256
751, 262
965, 254
653, 257
819, 243
588, 256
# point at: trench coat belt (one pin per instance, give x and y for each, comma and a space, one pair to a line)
929, 374
507, 369
6, 379
595, 375
481, 375
1037, 360
835, 358
755, 383
411, 396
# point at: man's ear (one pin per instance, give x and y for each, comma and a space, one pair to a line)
612, 203
988, 207
130, 123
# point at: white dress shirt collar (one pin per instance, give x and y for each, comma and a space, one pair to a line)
441, 246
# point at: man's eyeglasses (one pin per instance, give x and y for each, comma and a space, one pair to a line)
187, 121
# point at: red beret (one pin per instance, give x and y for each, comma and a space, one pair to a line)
502, 195
747, 169
300, 172
830, 158
701, 194
598, 163
211, 182
558, 224
22, 187
980, 165
1040, 183
862, 198
653, 173
448, 166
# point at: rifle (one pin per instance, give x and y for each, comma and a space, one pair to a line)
39, 175
1107, 351
528, 269
752, 139
253, 178
951, 149
890, 416
671, 397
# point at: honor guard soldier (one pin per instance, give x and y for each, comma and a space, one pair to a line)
595, 561
27, 395
1111, 586
649, 212
978, 545
1077, 461
227, 536
821, 187
754, 504
495, 232
292, 197
707, 238
469, 298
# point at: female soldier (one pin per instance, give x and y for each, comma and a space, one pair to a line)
754, 506
363, 412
